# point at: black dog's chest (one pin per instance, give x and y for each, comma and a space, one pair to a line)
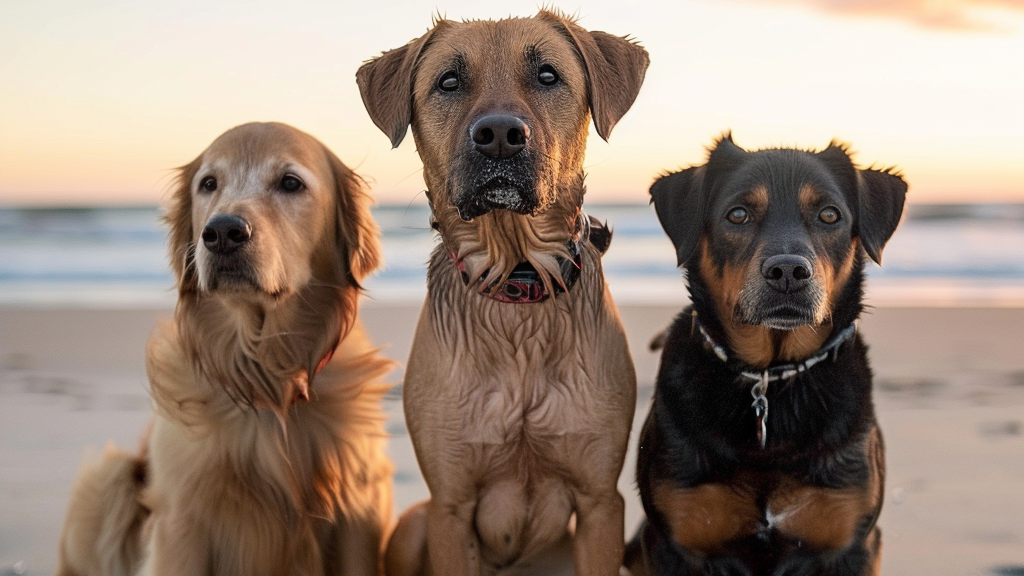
727, 413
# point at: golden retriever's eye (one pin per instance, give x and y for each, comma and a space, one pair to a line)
291, 183
738, 215
209, 184
449, 81
547, 76
829, 215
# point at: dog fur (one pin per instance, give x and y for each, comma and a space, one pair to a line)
773, 245
519, 413
266, 453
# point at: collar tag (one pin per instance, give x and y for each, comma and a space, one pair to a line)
784, 372
760, 393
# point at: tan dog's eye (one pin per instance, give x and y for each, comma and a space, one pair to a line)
449, 81
291, 183
829, 215
209, 184
547, 76
738, 215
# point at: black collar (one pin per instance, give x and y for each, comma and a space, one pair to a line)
761, 378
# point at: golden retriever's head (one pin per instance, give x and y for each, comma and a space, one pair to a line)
270, 237
266, 210
500, 112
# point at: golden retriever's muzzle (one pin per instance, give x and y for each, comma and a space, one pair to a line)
227, 240
497, 170
782, 293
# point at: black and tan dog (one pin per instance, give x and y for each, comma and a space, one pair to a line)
520, 391
761, 454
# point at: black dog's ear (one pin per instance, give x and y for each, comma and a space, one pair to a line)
385, 84
882, 195
878, 197
677, 200
723, 159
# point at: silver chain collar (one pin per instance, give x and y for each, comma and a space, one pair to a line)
759, 390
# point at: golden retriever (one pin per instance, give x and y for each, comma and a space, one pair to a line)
266, 453
520, 389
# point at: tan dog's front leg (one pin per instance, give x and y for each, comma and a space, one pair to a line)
598, 546
452, 544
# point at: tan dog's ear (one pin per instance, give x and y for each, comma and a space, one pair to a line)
358, 235
178, 217
385, 84
615, 67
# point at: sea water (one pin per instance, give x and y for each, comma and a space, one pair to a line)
941, 255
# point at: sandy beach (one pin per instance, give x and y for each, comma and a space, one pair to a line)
949, 394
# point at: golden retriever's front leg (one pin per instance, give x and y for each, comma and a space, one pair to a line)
358, 547
452, 544
598, 545
176, 547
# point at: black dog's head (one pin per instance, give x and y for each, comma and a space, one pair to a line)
775, 237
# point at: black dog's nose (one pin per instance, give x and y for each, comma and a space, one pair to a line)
225, 233
499, 135
787, 272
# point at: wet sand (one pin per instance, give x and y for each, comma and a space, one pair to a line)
949, 394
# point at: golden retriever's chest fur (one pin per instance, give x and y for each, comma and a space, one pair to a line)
275, 488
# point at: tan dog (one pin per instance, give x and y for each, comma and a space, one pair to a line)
266, 454
520, 389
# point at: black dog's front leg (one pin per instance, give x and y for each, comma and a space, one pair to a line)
651, 553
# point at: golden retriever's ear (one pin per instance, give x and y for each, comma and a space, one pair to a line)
615, 67
179, 218
358, 234
385, 83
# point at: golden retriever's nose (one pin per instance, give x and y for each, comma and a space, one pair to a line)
225, 233
787, 272
500, 135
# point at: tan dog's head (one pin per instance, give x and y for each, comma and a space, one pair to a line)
500, 110
266, 210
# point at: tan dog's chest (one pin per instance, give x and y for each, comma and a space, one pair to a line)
526, 408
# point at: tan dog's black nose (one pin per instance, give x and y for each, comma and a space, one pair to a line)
225, 233
499, 135
786, 272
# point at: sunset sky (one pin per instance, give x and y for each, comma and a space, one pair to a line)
99, 100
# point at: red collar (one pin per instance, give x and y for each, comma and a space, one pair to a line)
302, 384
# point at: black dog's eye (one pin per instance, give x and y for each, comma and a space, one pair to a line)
738, 215
291, 183
209, 184
829, 215
449, 81
547, 76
